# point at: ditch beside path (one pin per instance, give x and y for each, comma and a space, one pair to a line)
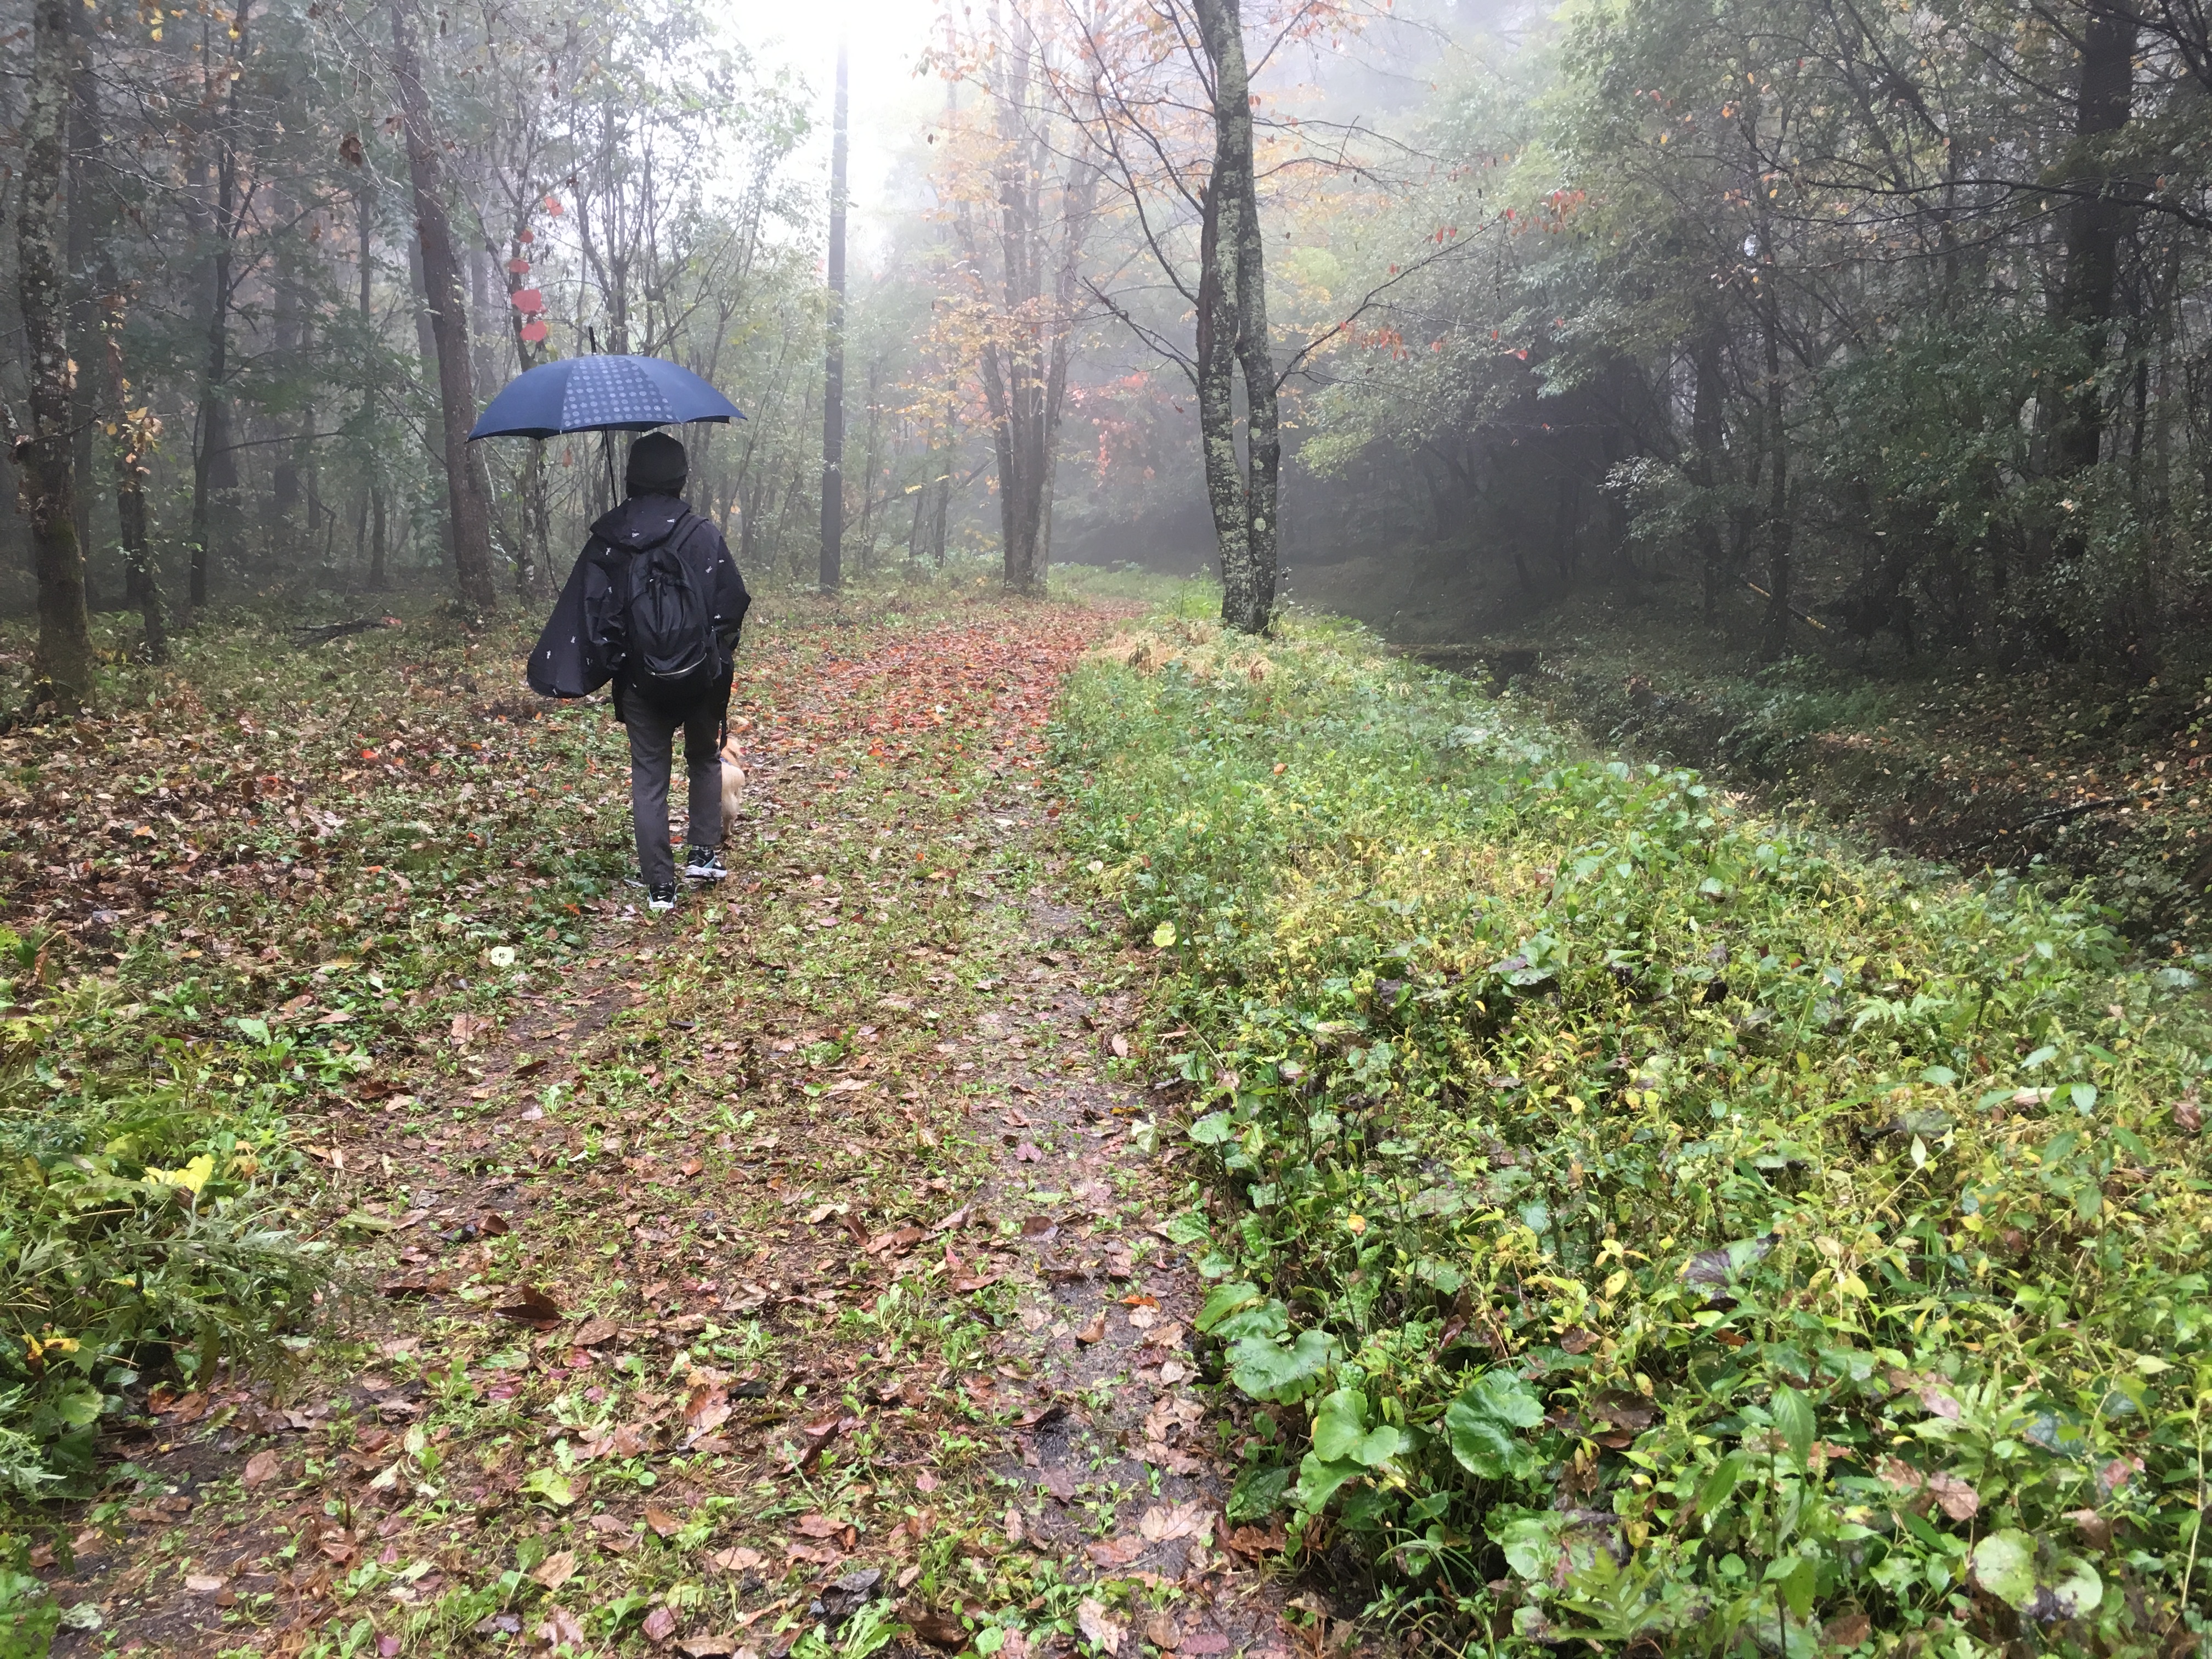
791, 1273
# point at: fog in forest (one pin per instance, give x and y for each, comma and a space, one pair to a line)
1853, 336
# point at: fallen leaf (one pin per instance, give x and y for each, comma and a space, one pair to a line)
1252, 1543
1847, 1632
555, 1569
817, 1526
1093, 1621
661, 1523
1159, 1524
659, 1626
201, 1583
1027, 1153
737, 1558
1162, 1631
1954, 1497
560, 1629
707, 1647
1014, 1525
940, 1629
261, 1466
531, 1306
1117, 1551
1095, 1331
468, 1027
2095, 1529
595, 1332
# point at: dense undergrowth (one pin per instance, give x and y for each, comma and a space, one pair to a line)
2052, 770
1641, 1220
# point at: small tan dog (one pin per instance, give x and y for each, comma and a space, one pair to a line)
733, 770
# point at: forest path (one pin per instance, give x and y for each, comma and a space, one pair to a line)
793, 1272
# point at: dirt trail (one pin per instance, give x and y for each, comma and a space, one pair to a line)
791, 1272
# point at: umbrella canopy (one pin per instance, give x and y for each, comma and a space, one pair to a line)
601, 394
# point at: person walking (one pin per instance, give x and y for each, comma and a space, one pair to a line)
655, 604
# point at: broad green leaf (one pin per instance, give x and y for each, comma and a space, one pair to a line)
555, 1487
1225, 1299
1266, 1369
1481, 1423
76, 1404
1793, 1416
1720, 1483
1213, 1128
1238, 1310
1318, 1480
1529, 1539
1340, 1432
1258, 1493
2035, 1578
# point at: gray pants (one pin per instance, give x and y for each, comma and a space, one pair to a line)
652, 742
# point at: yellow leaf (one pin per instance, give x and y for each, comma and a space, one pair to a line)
193, 1177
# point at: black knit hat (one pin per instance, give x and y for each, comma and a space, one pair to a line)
658, 466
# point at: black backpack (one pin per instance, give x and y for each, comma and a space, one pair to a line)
672, 650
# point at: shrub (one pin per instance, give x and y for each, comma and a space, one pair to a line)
139, 1232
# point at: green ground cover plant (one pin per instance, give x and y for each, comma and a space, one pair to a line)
1638, 1219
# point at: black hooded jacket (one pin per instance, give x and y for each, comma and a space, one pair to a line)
582, 646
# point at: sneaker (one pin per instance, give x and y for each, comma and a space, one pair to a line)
661, 898
705, 864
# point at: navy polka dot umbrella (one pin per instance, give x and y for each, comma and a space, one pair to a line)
602, 394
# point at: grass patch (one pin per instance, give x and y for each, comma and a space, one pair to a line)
1638, 1219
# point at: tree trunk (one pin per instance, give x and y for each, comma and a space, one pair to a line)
465, 491
135, 432
2095, 225
534, 561
1781, 534
833, 362
84, 315
1217, 410
212, 466
1233, 330
1706, 439
64, 662
1256, 355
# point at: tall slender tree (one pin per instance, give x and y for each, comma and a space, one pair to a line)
44, 450
466, 496
833, 361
